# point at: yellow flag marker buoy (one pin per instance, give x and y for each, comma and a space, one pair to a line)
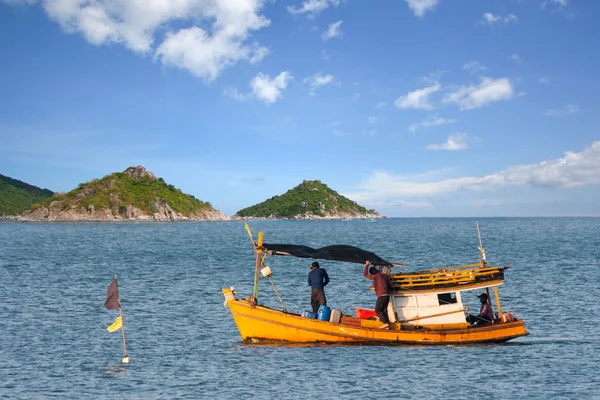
116, 325
113, 302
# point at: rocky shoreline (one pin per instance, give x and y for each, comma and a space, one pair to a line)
179, 218
311, 217
165, 214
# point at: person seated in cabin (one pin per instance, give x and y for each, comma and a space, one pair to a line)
382, 289
485, 312
317, 280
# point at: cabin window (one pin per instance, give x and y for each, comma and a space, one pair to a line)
447, 298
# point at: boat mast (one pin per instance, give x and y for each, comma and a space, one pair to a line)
258, 248
487, 290
480, 244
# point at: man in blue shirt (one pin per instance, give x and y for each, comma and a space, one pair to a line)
317, 280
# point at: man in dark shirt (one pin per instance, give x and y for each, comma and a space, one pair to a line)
317, 280
382, 289
485, 312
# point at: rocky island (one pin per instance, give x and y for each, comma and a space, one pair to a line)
132, 195
309, 200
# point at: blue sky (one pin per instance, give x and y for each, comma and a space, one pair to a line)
412, 107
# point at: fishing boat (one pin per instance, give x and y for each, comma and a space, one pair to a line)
426, 307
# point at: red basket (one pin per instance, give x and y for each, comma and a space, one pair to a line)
365, 313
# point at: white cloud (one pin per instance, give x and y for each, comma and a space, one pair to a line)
372, 120
414, 204
236, 94
312, 7
205, 52
559, 3
516, 58
324, 54
334, 30
475, 96
474, 67
456, 141
432, 120
558, 6
203, 55
318, 80
263, 88
569, 109
491, 19
267, 89
420, 7
381, 104
339, 132
19, 2
544, 81
418, 99
572, 170
370, 132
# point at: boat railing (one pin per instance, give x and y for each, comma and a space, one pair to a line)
448, 276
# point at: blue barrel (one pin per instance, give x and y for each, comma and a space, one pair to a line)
308, 314
324, 313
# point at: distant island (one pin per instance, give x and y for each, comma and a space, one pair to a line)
309, 200
134, 194
17, 197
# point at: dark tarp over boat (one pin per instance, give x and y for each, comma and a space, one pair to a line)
338, 252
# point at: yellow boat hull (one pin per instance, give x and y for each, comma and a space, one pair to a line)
262, 324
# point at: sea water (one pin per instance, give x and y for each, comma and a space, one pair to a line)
183, 342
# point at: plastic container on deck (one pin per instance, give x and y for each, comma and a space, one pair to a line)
324, 313
508, 317
308, 314
365, 313
336, 316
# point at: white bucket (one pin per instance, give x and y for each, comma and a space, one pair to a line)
266, 271
335, 316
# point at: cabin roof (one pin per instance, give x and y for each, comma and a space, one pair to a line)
465, 277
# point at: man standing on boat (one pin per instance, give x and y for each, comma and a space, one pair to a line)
317, 280
382, 289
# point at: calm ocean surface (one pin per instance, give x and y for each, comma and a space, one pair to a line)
184, 343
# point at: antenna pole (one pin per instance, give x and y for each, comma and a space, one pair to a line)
480, 244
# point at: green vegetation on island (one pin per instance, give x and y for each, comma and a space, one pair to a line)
17, 196
308, 198
130, 194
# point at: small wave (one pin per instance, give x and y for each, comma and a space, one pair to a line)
552, 340
116, 370
12, 265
